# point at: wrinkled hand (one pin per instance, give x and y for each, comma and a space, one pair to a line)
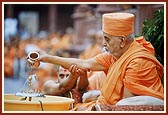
90, 96
34, 63
42, 56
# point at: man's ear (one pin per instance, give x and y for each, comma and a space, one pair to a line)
123, 41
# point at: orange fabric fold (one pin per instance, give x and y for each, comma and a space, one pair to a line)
118, 24
141, 40
137, 70
106, 60
112, 91
96, 80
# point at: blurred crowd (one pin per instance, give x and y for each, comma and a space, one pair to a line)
16, 50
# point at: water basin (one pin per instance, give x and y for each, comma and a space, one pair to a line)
47, 103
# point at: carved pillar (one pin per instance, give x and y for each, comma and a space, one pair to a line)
9, 13
84, 19
52, 20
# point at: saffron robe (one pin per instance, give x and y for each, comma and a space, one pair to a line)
137, 69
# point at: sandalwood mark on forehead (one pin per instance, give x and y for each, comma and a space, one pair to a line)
65, 70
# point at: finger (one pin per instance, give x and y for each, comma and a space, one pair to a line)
77, 71
81, 71
30, 61
74, 69
70, 68
87, 70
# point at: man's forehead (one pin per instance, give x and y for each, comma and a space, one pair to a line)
105, 34
111, 36
63, 70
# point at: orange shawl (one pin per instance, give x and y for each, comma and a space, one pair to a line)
112, 90
113, 87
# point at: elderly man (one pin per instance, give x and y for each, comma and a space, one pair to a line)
130, 66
